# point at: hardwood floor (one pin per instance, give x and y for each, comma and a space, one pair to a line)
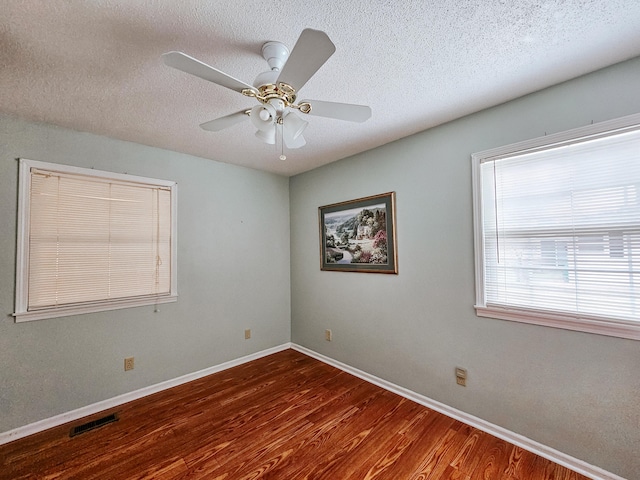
287, 417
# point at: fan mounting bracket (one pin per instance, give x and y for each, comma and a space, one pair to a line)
276, 54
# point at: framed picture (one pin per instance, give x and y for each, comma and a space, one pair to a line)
359, 235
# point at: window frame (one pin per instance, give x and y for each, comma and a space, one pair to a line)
22, 313
577, 322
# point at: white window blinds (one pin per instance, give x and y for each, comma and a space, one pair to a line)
94, 240
561, 228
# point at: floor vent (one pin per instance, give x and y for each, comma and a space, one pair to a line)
85, 427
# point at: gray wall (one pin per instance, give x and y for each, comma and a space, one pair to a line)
233, 273
576, 392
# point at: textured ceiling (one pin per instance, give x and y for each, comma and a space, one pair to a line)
96, 66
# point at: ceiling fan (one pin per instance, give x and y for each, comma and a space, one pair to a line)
276, 89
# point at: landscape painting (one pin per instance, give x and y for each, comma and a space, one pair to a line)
359, 235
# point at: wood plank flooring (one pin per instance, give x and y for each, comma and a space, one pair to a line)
286, 417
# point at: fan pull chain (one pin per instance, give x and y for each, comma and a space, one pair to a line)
282, 155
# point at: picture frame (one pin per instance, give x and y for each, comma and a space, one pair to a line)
359, 235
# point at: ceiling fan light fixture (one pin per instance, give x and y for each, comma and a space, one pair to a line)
263, 116
293, 126
268, 136
297, 143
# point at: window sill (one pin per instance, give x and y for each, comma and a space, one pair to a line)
599, 326
91, 308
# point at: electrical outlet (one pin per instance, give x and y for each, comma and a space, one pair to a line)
247, 334
327, 335
461, 376
128, 364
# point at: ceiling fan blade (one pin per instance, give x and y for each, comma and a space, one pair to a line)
340, 111
224, 122
188, 64
310, 52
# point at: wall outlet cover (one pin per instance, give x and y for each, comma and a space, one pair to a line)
128, 364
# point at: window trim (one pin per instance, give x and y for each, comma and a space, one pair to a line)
583, 323
22, 314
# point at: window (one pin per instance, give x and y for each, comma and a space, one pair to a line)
557, 230
90, 241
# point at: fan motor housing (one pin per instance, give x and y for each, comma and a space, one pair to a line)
284, 92
266, 93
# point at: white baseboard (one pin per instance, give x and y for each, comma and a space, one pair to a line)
579, 466
20, 432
